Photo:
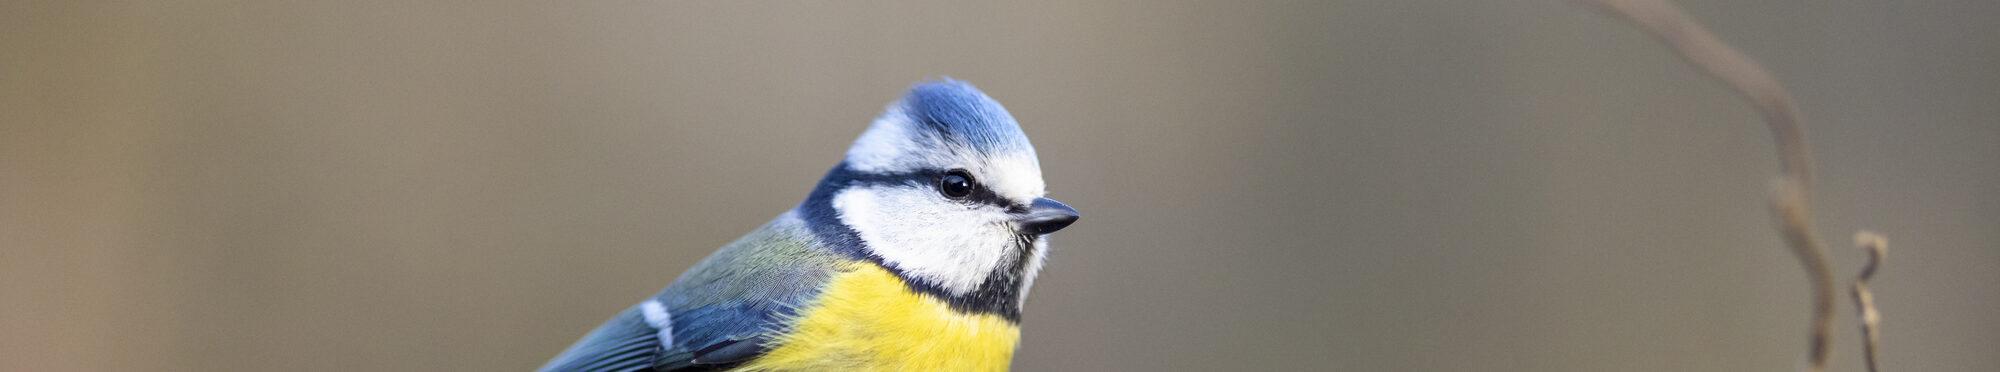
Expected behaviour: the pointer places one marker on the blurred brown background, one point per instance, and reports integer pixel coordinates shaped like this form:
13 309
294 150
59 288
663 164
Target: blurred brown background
1366 186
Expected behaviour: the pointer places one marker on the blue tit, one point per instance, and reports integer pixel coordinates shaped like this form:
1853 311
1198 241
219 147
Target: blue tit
912 254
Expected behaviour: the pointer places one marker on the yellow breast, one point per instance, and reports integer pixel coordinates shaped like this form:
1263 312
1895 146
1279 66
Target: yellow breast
868 320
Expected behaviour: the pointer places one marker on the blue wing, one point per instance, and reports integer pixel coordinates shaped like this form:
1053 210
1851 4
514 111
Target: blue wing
718 337
723 311
626 343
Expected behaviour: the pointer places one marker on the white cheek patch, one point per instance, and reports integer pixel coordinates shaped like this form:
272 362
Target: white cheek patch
951 245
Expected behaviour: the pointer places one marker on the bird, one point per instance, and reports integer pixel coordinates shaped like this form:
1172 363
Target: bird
914 253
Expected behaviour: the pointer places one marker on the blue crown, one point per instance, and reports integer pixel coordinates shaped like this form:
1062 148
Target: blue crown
957 112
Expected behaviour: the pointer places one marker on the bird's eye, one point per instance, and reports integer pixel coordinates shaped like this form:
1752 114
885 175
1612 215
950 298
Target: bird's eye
956 184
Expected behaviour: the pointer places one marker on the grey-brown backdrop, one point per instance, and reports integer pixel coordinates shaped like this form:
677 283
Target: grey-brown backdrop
1367 186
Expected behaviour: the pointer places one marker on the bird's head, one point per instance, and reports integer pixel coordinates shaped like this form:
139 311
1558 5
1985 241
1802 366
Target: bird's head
945 189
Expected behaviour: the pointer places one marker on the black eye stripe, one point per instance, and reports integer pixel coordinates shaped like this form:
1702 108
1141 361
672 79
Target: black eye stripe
986 196
927 178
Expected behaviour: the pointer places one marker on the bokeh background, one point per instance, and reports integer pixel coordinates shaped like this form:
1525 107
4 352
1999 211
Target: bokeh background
1335 185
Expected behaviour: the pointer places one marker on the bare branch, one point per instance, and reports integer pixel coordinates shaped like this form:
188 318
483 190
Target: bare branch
1788 202
1864 300
1694 44
1792 197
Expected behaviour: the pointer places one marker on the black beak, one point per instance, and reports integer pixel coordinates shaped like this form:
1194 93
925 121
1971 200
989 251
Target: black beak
1044 216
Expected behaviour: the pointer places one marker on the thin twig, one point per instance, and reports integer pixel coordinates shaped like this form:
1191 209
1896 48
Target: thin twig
1864 300
1792 200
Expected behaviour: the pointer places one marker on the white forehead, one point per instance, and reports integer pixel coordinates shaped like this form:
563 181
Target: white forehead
893 145
1013 177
